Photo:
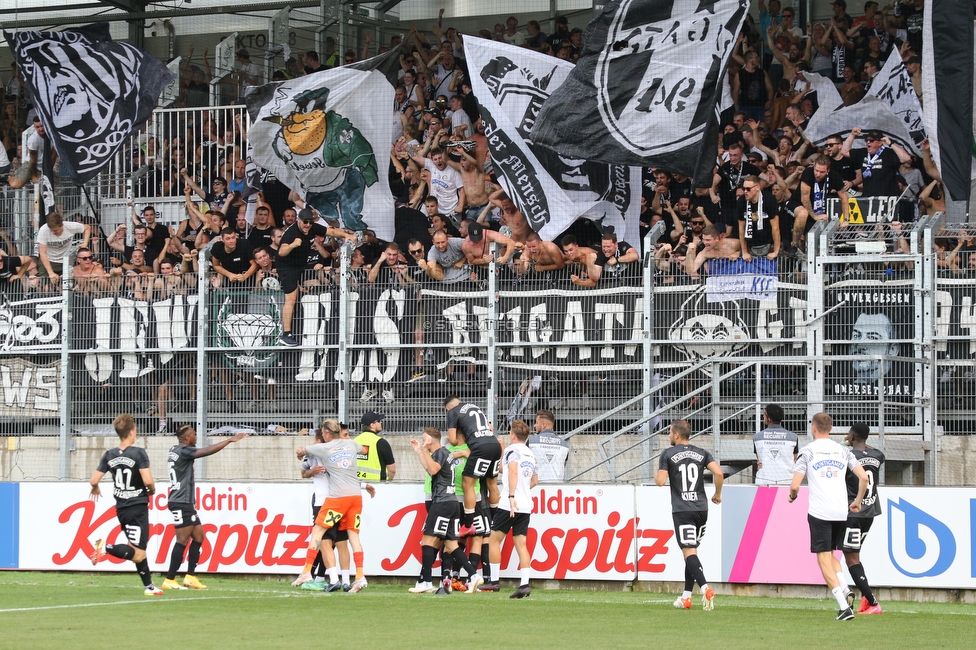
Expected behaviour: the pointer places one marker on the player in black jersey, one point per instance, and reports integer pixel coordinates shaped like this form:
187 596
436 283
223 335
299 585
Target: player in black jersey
684 465
443 519
133 485
485 454
859 523
181 504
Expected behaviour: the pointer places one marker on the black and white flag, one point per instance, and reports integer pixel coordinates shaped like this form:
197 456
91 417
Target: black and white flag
91 92
869 113
893 85
947 88
647 86
551 191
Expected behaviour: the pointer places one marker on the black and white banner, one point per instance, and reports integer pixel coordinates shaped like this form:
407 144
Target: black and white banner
947 86
323 136
552 191
91 93
869 113
647 86
867 318
893 85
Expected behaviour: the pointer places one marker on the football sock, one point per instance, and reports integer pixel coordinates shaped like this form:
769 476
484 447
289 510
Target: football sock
333 575
689 580
428 554
693 564
487 567
345 576
686 593
468 517
175 560
840 596
123 551
318 567
447 561
496 571
861 580
842 581
310 555
524 577
475 560
142 568
193 557
461 561
357 557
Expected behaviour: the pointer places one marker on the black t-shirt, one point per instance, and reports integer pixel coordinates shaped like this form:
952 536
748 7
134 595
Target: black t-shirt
472 423
385 453
9 266
124 465
236 261
297 259
913 25
732 179
821 191
871 460
843 168
879 172
442 488
686 465
149 253
180 461
260 237
617 270
757 231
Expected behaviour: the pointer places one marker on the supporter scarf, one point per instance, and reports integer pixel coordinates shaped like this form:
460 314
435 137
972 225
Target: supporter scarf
839 55
869 162
759 218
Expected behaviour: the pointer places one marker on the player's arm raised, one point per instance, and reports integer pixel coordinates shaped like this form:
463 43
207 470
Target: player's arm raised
716 471
217 446
426 460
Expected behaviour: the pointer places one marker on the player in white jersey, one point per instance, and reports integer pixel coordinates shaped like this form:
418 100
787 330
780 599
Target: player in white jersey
519 476
776 449
825 465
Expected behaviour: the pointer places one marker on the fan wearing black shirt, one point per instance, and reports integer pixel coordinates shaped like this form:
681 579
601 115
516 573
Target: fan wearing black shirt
729 179
233 260
818 184
263 228
758 221
877 165
132 486
614 260
293 252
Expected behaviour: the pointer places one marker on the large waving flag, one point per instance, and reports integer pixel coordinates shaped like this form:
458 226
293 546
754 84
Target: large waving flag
91 92
893 85
647 86
327 136
511 84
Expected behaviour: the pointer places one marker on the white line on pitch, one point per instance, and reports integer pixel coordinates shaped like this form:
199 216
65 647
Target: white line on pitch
136 602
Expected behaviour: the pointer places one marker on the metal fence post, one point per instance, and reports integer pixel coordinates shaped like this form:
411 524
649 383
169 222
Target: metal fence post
716 412
344 315
647 347
492 364
203 333
66 444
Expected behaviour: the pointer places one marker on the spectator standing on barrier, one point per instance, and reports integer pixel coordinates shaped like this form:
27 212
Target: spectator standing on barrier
683 466
877 165
54 244
859 523
293 252
375 461
776 449
551 451
826 465
758 221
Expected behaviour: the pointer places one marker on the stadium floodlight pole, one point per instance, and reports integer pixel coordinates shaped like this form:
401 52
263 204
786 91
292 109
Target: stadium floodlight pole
203 264
64 428
492 365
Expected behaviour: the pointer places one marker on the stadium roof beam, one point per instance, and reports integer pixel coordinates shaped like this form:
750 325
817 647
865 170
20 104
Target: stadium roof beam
386 5
132 6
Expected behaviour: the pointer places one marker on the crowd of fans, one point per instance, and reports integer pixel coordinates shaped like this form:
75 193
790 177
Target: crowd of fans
769 185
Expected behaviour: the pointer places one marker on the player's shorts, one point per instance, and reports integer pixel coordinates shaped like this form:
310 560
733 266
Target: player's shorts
484 460
290 278
135 525
504 522
825 536
689 527
343 513
184 515
443 520
332 534
482 518
855 530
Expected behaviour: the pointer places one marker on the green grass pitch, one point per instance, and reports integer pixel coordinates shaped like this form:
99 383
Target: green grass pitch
60 610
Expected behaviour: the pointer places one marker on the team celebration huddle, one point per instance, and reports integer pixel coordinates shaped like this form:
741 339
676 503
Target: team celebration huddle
478 489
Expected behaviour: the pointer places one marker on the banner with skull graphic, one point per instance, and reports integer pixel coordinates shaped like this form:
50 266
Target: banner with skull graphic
551 191
323 136
91 93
